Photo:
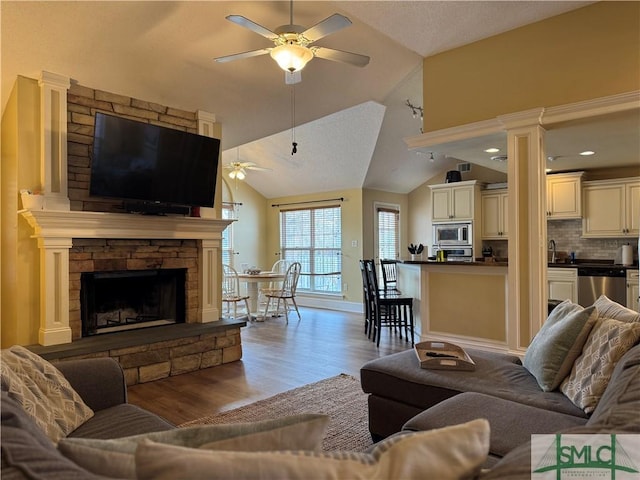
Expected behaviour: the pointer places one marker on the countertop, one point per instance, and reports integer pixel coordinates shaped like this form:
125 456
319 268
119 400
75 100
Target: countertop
480 263
504 263
592 264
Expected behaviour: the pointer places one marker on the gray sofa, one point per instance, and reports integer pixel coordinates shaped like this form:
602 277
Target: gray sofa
402 396
27 453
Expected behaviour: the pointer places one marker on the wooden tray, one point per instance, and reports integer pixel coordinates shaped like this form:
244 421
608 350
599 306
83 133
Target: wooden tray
443 356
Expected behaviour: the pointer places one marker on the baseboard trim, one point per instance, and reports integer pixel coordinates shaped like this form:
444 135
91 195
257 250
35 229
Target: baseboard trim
329 303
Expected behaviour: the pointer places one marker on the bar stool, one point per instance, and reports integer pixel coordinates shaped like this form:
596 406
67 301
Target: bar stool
388 308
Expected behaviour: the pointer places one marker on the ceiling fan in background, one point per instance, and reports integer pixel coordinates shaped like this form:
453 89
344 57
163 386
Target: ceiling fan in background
294 44
238 170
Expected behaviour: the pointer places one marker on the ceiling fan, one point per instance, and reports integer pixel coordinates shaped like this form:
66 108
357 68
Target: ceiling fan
238 170
293 44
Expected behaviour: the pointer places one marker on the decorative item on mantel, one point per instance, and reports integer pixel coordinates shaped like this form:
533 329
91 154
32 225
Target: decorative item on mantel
31 200
416 251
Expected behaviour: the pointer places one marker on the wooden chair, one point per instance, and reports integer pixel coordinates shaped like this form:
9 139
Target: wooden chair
279 266
388 309
389 275
286 292
231 291
366 299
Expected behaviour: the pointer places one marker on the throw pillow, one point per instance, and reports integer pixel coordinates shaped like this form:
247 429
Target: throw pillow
449 453
589 377
42 391
559 342
607 308
116 458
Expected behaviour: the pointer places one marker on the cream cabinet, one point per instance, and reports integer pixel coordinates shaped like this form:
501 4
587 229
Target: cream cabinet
454 201
612 208
564 196
562 284
633 291
494 220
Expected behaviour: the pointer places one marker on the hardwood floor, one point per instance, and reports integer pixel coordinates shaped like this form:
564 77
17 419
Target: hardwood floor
276 357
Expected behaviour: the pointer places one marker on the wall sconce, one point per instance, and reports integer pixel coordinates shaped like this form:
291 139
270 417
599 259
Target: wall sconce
415 110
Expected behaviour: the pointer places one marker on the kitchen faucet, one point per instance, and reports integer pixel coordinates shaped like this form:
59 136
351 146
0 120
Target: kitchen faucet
552 246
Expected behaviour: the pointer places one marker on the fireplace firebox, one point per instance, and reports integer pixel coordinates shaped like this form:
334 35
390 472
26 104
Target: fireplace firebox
131 299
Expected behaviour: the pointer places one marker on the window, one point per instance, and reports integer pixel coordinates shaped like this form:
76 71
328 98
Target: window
228 212
388 219
313 237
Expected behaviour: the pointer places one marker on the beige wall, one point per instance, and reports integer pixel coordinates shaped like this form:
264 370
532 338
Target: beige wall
587 53
352 228
249 231
20 255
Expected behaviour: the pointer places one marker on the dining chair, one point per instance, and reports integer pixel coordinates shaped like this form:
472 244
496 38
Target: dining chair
388 309
279 266
286 292
231 291
366 298
389 275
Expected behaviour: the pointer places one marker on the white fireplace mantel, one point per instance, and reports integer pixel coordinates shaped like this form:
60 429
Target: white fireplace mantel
56 229
82 224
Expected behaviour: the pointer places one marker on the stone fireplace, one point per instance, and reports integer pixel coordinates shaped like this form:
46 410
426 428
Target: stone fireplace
124 267
122 300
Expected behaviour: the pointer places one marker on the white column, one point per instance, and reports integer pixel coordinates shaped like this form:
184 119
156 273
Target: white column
210 285
527 227
54 291
53 132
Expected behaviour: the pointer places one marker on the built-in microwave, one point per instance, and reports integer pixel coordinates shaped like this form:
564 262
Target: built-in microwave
458 234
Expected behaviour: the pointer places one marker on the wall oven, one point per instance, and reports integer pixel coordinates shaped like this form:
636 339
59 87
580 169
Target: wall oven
455 254
455 234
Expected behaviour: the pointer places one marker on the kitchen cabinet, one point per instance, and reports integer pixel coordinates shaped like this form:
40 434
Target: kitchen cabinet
564 196
455 201
612 208
494 220
562 284
633 291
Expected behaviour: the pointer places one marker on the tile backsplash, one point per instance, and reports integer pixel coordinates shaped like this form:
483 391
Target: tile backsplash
567 235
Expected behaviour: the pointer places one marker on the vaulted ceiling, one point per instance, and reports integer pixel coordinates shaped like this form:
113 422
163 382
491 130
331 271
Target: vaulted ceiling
349 122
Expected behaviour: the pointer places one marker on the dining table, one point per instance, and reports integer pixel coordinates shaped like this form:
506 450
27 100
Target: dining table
253 280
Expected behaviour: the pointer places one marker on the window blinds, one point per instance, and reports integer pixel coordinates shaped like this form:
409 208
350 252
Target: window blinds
313 237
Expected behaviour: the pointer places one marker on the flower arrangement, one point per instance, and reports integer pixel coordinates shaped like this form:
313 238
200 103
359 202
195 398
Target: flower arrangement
415 249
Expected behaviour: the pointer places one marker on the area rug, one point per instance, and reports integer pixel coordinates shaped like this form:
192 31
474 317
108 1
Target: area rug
339 397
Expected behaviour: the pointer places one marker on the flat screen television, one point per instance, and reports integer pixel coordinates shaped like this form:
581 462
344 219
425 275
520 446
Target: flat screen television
139 161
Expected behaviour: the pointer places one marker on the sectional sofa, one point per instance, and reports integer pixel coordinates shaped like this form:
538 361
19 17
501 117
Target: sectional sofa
519 397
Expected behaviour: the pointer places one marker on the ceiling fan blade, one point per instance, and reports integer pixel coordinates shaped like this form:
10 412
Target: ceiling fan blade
326 27
255 167
238 56
340 56
253 26
291 78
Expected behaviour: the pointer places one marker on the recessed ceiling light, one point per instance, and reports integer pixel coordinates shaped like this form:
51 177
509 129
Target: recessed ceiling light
586 153
492 150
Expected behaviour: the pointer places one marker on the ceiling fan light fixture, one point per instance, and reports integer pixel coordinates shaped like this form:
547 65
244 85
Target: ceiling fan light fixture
237 175
291 57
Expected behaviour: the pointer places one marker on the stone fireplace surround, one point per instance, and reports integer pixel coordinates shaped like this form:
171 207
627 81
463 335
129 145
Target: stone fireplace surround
73 236
202 342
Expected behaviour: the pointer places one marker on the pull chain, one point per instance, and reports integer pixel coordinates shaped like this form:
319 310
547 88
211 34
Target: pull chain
294 145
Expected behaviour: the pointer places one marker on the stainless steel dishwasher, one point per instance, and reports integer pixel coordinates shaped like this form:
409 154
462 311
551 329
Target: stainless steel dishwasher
596 281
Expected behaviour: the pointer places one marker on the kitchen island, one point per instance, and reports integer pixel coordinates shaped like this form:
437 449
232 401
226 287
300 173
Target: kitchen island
459 302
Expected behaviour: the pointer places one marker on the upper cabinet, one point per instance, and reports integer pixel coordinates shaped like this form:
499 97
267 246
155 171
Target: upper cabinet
564 197
612 208
494 214
455 201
